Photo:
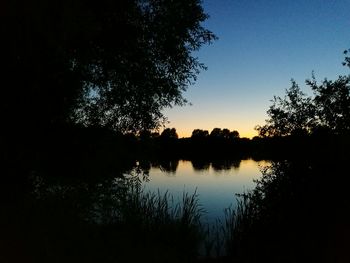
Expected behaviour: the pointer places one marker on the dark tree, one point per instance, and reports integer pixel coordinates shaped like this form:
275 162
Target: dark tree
106 63
292 114
328 110
198 133
169 133
347 58
332 101
225 133
216 133
234 134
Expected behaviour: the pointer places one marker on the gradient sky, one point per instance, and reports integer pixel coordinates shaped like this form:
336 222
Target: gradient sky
262 45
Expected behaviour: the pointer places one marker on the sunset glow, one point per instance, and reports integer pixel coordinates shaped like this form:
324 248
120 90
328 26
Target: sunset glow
262 45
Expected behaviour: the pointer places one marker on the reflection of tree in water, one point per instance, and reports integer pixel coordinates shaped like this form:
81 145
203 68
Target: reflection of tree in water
144 166
200 165
168 166
91 201
217 165
224 165
236 164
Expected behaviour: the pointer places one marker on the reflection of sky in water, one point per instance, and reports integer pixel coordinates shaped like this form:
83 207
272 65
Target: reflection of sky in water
216 188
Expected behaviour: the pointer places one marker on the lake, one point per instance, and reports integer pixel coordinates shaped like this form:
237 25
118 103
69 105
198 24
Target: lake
216 183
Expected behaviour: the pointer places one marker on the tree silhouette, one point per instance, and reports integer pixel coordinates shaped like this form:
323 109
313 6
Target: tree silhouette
106 63
292 114
169 133
329 109
347 58
216 133
198 133
332 101
327 112
234 134
225 133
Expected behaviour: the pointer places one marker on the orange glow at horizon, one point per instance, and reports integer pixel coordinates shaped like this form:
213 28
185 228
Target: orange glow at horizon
187 133
185 123
207 116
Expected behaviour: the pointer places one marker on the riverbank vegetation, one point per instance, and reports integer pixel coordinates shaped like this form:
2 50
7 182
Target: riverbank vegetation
298 212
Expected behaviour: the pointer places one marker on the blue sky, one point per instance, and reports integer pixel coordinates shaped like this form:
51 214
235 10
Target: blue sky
262 45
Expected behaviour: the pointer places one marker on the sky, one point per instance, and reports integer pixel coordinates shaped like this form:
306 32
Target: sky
262 45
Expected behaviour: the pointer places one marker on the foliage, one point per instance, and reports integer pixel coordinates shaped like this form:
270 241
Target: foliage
347 58
224 133
332 102
106 63
296 212
169 133
328 109
294 112
198 133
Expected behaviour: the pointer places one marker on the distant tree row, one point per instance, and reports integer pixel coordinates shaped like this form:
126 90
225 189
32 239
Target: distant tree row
196 134
202 144
215 133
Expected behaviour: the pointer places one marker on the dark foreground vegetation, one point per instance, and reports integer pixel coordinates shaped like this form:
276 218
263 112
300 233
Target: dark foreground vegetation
108 221
297 213
299 210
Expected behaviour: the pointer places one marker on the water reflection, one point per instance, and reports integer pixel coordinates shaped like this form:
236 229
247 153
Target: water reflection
168 166
93 214
216 182
198 165
226 165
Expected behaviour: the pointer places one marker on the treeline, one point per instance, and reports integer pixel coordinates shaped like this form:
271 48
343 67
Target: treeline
91 151
201 144
298 125
74 150
226 144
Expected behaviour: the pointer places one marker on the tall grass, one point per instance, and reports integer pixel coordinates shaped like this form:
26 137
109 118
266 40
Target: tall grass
148 220
133 204
223 238
155 219
227 238
119 219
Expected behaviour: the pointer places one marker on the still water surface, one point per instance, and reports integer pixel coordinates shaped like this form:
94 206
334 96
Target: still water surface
216 183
